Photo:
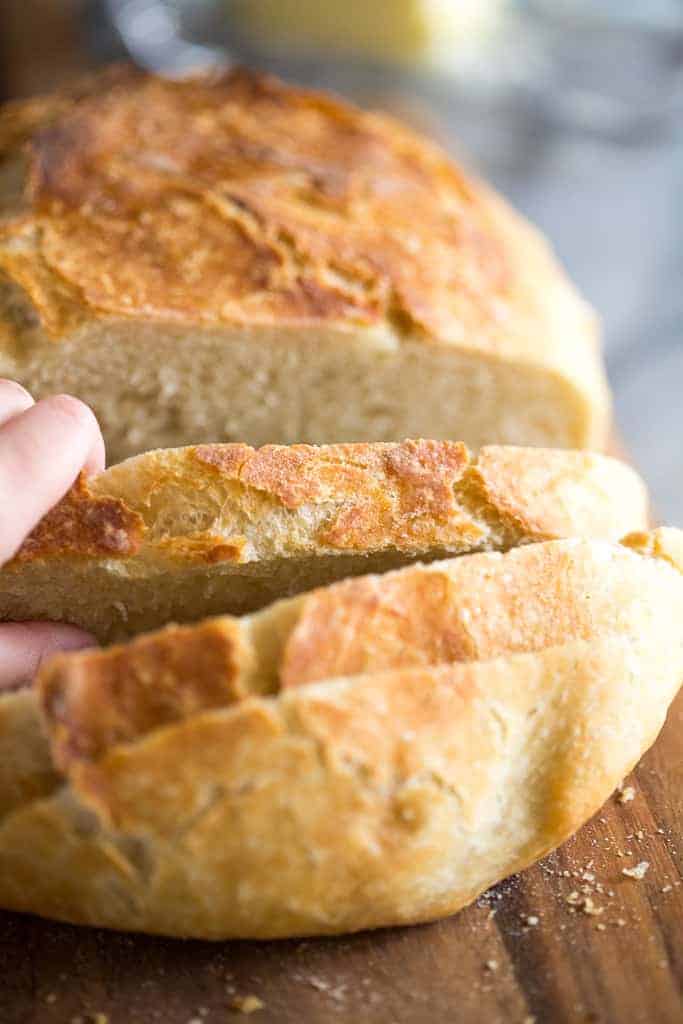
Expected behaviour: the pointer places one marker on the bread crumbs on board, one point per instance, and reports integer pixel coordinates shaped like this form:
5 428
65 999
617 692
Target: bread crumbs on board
584 903
247 1004
637 872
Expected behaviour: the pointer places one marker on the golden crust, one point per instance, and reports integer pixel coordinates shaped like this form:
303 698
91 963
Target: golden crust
176 535
131 691
413 496
20 119
257 203
548 492
665 543
468 609
356 802
403 494
84 526
238 199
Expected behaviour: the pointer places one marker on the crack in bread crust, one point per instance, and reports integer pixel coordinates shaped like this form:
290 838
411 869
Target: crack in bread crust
463 610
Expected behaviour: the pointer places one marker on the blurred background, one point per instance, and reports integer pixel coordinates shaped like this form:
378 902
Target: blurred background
574 109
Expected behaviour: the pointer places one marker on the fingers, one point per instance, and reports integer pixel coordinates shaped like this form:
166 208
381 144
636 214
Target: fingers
43 448
25 645
42 451
13 400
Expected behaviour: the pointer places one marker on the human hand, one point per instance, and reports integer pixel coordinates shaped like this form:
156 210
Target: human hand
43 448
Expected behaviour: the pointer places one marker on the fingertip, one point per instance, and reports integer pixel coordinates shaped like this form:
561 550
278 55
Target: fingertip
7 384
80 414
72 409
14 399
42 451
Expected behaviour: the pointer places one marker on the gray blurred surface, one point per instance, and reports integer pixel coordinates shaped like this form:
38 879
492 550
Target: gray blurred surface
614 214
615 218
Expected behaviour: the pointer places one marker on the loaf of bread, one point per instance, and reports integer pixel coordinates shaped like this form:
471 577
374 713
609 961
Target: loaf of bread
228 258
372 753
179 534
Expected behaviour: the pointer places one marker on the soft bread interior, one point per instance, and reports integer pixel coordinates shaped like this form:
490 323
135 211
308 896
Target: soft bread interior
178 535
161 387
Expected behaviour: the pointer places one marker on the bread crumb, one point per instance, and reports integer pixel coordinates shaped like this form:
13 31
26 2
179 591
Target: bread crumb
667 888
638 872
625 794
247 1004
531 920
583 902
620 922
318 983
600 926
491 965
51 997
529 1020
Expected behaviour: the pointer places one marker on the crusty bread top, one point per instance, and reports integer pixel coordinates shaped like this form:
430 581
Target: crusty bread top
236 199
232 503
461 610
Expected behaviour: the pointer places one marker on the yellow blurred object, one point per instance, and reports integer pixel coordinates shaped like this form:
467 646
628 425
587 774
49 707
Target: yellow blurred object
414 31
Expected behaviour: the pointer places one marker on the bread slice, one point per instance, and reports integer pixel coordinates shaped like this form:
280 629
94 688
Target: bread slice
373 753
232 259
177 535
